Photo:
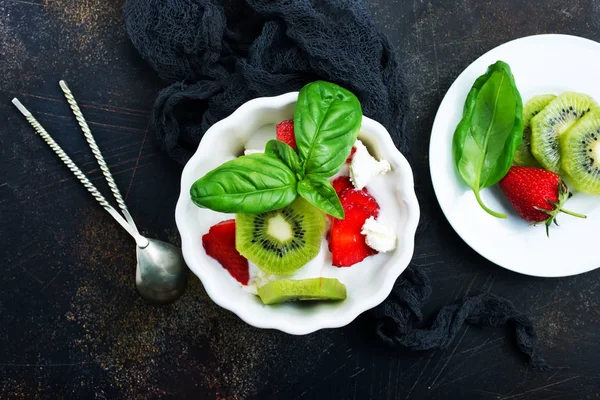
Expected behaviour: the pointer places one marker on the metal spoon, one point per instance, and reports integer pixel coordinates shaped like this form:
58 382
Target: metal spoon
160 271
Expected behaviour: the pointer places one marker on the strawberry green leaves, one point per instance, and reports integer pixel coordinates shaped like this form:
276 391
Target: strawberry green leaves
326 123
490 131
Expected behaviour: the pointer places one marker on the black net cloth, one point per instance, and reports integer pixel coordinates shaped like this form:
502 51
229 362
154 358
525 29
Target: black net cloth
216 55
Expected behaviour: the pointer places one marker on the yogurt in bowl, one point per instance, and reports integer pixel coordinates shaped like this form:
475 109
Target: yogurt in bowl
367 283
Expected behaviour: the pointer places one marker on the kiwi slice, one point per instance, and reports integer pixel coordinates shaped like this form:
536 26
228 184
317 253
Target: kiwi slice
546 127
523 156
580 149
281 241
305 289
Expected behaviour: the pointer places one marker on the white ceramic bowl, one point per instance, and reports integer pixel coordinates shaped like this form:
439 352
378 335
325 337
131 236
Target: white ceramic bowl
225 140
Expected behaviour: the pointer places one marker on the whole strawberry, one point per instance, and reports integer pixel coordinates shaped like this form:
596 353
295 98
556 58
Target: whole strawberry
536 194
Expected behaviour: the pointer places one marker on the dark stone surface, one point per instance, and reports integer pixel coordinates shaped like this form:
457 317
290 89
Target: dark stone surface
71 324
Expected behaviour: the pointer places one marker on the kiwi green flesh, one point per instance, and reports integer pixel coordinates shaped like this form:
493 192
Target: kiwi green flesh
556 118
523 156
306 289
580 149
281 241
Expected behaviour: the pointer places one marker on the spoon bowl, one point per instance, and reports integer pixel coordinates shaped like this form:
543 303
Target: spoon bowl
161 272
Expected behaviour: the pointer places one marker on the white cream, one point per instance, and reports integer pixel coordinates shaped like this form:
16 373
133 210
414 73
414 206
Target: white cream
260 138
364 167
252 151
258 278
378 235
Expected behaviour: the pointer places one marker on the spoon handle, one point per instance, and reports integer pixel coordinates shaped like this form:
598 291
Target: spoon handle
87 132
140 240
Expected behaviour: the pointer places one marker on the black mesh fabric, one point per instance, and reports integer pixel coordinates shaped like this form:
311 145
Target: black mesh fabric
218 54
215 55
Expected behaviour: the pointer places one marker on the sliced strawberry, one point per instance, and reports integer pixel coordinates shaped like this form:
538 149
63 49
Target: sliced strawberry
219 243
341 183
285 132
349 159
360 198
346 243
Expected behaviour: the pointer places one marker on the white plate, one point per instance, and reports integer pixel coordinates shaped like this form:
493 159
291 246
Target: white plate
541 64
367 287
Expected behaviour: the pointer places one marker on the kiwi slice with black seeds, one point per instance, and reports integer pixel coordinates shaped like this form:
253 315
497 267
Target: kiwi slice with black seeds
281 241
305 289
523 156
556 118
580 149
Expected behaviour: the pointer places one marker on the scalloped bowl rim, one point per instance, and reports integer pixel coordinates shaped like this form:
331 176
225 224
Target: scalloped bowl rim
278 320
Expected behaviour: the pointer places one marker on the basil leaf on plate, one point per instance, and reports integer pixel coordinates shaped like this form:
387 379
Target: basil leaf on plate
327 119
319 192
490 131
249 184
283 152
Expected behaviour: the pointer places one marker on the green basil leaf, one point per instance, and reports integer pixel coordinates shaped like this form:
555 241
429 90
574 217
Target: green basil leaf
327 119
491 130
285 153
319 192
249 184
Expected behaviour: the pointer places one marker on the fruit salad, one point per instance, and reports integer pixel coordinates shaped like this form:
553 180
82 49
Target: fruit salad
306 207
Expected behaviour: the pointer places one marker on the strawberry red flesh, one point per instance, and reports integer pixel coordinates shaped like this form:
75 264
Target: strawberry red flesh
530 188
360 198
346 243
341 183
219 243
285 132
349 159
536 194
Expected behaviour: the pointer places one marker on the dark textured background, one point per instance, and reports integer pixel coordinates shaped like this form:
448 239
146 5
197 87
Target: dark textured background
71 324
